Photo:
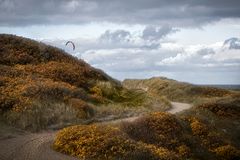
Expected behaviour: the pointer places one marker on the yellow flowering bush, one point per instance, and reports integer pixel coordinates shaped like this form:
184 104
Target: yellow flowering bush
225 108
184 151
213 141
106 142
93 142
227 152
96 91
158 128
198 128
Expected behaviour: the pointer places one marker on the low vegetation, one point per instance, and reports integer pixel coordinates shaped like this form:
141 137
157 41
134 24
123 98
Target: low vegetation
225 107
207 131
157 128
106 142
178 91
158 135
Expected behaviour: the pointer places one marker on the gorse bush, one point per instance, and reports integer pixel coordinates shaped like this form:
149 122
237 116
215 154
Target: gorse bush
213 141
106 142
157 128
161 130
94 142
227 152
226 107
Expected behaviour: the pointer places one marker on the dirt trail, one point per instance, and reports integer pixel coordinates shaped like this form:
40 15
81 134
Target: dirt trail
38 146
31 147
178 107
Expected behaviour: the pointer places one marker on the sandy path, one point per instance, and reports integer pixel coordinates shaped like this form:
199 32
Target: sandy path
38 146
178 107
31 147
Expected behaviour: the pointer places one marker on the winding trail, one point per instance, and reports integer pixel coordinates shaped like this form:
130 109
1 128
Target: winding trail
176 108
38 146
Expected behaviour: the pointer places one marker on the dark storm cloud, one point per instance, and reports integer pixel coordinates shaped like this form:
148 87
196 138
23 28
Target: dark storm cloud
232 43
153 33
171 12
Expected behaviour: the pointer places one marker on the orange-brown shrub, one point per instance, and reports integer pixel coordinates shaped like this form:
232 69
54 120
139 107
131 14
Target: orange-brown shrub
198 128
159 128
94 142
227 152
18 92
96 91
207 136
209 91
228 107
184 151
106 142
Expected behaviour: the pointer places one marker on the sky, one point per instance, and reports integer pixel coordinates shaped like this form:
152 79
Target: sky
196 41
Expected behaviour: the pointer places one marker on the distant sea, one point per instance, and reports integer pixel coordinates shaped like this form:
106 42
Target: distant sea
224 86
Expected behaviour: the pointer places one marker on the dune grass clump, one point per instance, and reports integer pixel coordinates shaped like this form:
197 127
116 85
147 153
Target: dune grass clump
83 109
43 115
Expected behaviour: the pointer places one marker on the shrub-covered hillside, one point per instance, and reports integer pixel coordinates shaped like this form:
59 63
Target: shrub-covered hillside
37 79
43 86
207 131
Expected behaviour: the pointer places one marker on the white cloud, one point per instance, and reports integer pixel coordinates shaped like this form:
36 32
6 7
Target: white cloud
224 55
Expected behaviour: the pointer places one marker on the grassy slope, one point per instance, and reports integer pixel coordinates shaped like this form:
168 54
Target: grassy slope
178 91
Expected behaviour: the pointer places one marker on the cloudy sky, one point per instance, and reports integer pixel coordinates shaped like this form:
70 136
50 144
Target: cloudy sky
196 41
